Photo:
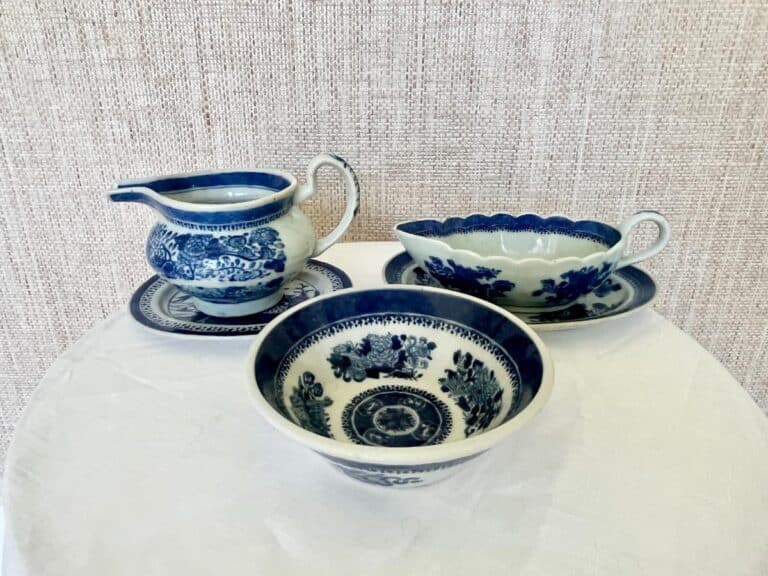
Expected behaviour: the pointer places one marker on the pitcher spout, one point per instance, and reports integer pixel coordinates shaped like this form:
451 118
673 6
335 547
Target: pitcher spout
144 195
133 194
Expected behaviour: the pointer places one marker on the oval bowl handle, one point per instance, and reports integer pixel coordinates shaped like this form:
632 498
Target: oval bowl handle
661 240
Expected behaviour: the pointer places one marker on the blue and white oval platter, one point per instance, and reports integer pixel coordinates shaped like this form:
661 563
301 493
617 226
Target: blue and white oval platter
626 290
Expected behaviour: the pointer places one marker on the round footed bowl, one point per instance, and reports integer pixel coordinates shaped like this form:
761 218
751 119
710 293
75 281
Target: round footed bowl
398 386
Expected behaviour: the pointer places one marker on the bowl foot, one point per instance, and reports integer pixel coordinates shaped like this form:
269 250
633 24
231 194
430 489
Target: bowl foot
399 476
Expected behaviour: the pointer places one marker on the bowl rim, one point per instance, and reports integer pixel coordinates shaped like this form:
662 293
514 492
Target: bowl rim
605 254
416 455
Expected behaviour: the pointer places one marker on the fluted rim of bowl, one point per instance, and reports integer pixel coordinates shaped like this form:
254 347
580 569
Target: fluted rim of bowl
414 455
454 223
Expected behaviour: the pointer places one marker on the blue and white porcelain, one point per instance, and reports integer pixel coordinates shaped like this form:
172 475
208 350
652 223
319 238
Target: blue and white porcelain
398 386
233 240
525 261
161 306
625 291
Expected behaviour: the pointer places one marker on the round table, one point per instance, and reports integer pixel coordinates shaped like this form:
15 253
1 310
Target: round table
140 453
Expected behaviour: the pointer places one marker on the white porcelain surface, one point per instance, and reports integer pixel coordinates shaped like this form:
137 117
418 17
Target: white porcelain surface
520 245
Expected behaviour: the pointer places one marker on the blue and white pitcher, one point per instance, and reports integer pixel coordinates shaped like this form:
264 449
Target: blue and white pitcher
231 240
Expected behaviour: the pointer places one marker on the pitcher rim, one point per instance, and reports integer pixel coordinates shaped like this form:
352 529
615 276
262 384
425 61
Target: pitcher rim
144 183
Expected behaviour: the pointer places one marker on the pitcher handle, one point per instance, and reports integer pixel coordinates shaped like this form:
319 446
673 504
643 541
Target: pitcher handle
626 228
307 189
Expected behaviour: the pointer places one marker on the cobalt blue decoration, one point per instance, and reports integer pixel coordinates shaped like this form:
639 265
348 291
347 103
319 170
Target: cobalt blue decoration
480 281
396 416
625 291
386 354
309 404
232 240
574 283
162 306
525 261
475 389
397 386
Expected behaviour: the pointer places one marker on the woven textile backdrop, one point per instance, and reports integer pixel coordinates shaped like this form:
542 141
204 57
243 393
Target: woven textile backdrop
592 109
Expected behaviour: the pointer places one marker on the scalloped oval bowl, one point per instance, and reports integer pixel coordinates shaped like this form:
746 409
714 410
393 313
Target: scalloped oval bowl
523 261
398 386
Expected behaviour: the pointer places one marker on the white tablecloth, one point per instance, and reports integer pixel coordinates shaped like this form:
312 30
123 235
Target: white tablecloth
140 454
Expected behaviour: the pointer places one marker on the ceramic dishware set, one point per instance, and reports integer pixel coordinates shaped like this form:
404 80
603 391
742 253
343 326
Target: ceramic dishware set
397 385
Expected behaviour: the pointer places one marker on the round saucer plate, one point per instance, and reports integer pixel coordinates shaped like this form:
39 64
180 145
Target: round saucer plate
629 290
160 306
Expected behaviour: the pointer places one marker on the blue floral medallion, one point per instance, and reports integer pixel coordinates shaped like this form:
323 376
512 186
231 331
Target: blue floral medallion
396 416
475 389
308 405
574 283
223 257
394 355
159 305
478 281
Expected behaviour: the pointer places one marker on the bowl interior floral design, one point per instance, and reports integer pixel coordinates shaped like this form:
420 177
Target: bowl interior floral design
404 376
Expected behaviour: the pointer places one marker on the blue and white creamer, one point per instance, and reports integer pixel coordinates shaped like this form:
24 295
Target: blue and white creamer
232 239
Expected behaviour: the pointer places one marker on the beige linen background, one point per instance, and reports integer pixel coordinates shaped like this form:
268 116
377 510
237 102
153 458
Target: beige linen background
592 109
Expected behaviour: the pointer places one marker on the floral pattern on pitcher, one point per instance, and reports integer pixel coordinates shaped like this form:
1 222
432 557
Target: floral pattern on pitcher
238 257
